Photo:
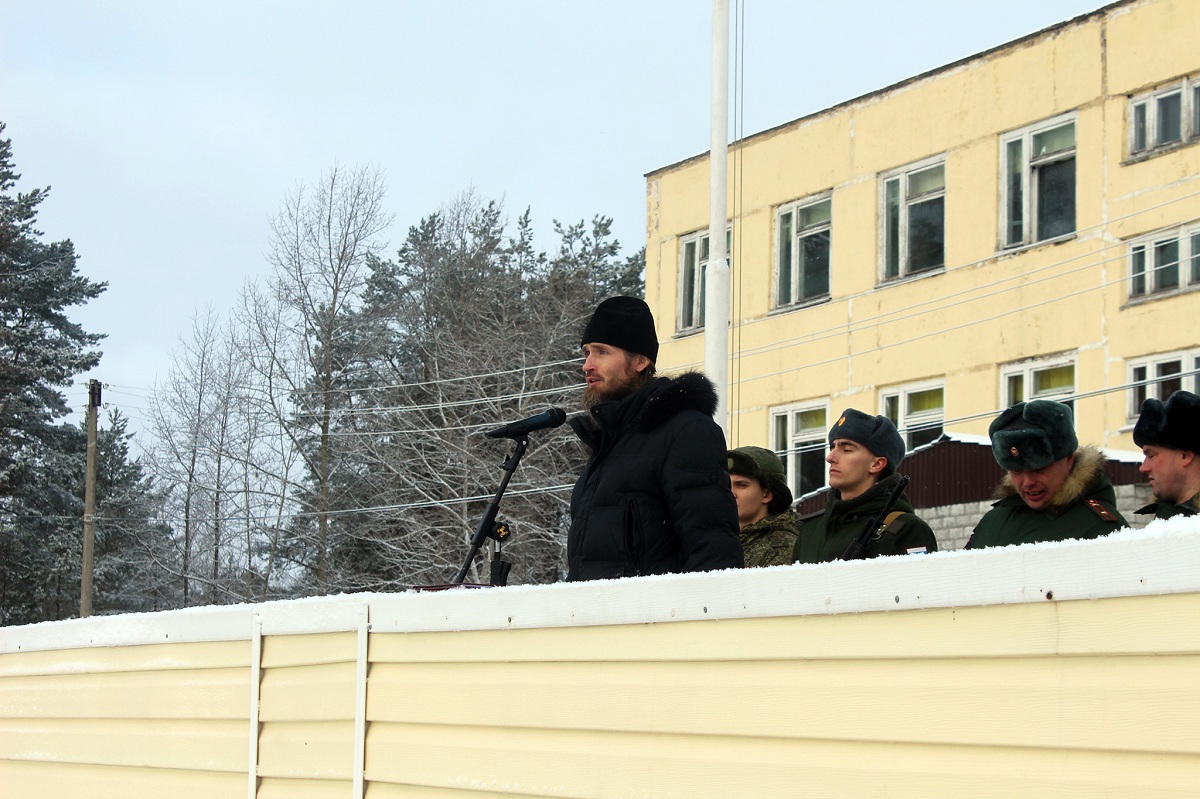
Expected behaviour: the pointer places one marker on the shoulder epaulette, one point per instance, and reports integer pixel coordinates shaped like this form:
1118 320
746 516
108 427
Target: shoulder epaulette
1101 511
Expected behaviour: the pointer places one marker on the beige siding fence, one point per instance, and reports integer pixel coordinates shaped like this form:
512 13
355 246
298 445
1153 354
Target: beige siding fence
1066 670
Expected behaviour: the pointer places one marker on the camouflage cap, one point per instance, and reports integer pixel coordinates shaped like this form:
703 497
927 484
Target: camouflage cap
765 467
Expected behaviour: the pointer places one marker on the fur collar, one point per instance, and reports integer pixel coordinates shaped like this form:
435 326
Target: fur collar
691 391
1089 462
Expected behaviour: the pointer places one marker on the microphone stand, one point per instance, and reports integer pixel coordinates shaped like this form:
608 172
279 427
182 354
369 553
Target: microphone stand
488 522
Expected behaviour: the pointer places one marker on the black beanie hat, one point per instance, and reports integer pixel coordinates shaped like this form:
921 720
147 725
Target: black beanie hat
1174 424
876 433
1032 435
624 322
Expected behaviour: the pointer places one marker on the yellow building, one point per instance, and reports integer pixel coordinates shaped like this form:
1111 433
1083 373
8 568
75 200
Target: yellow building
1024 223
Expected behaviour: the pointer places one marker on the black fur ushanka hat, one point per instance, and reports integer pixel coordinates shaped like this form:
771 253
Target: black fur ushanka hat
1174 424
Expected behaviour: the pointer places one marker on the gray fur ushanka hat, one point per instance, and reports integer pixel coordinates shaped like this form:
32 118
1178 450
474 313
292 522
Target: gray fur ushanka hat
1032 435
1174 424
876 433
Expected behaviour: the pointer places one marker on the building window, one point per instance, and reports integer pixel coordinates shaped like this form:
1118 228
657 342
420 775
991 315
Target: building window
799 434
802 265
917 412
1164 262
1160 376
1049 379
1038 187
914 219
1165 118
693 261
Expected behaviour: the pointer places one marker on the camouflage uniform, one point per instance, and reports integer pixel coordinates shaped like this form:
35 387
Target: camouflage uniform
769 541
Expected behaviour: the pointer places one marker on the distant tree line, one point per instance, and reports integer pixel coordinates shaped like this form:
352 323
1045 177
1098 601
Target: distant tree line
323 436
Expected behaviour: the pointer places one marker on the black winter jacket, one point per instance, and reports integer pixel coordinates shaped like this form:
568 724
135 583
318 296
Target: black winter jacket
654 496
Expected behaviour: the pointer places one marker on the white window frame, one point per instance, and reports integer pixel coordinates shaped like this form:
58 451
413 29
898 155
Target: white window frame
796 288
1144 135
1146 379
689 311
1028 370
1145 272
1030 165
900 177
790 443
911 424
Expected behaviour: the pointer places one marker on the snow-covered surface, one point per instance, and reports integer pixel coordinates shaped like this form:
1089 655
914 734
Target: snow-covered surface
962 438
1162 558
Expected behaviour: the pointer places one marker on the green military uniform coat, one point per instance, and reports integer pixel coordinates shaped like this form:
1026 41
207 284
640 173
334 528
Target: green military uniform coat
770 540
1085 506
829 535
1165 509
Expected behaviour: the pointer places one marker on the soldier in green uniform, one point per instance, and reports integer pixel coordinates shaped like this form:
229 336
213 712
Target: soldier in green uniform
1054 489
768 524
1169 435
864 452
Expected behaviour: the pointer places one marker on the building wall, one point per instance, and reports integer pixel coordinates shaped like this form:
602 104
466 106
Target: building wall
990 306
1059 669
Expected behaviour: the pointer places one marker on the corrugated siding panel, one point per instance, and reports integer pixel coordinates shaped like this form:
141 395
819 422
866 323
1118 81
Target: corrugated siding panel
321 750
308 693
1075 698
279 651
578 764
306 710
179 694
278 788
1108 704
150 657
44 780
131 721
176 744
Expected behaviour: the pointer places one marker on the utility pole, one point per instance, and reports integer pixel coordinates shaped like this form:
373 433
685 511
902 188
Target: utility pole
89 503
716 275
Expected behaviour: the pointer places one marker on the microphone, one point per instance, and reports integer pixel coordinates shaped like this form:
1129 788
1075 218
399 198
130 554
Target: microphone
542 421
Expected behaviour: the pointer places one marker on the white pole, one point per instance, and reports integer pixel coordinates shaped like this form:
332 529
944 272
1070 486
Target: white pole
716 302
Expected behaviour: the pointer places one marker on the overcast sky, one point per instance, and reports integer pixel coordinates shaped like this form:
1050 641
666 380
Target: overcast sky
171 131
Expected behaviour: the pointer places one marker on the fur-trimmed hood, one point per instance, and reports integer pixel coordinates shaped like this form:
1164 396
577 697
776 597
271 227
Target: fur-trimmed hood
1089 465
648 407
691 391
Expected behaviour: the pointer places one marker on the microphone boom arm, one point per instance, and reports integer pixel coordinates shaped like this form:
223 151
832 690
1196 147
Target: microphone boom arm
489 515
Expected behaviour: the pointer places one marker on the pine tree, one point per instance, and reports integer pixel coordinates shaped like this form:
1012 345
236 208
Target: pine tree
41 350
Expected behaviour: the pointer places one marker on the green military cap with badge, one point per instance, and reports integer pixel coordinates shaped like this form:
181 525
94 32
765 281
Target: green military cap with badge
1033 435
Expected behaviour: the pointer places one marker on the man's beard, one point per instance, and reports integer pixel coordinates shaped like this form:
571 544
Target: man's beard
615 391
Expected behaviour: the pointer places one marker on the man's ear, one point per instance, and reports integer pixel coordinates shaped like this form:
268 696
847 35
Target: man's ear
877 465
640 363
767 497
1186 457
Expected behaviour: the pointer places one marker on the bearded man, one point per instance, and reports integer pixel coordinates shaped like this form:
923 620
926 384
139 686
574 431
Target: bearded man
654 496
